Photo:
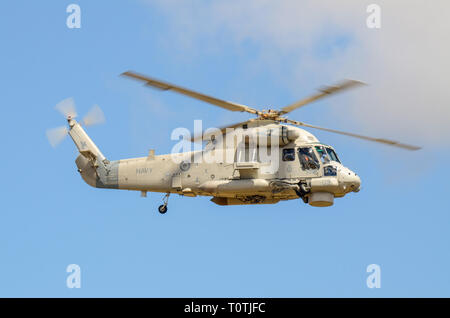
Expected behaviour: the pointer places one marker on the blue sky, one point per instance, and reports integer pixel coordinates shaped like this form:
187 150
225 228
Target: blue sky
50 218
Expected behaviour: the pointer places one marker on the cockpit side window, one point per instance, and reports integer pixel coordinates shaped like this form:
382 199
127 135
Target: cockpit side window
288 154
308 158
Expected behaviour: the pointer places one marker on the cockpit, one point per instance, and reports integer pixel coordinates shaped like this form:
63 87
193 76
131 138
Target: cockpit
311 157
317 160
308 158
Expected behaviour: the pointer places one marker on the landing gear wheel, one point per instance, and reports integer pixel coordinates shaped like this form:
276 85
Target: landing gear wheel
162 209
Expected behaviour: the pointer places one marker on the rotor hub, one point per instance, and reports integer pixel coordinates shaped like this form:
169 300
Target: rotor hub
269 114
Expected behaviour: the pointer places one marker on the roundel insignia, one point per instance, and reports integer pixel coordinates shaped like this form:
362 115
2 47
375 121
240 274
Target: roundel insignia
184 166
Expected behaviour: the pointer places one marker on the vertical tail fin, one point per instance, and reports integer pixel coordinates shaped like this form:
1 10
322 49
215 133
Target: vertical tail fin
94 168
84 143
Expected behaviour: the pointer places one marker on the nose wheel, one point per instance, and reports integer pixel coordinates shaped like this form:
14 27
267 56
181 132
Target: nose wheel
163 208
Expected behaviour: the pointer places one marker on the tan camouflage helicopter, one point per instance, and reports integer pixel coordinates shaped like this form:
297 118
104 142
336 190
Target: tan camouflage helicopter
259 161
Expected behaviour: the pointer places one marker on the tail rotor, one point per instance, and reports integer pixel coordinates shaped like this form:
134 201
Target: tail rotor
94 117
56 135
67 108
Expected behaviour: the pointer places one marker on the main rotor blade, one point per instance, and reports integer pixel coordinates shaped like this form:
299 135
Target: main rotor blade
94 116
223 130
56 135
212 100
379 140
326 91
67 108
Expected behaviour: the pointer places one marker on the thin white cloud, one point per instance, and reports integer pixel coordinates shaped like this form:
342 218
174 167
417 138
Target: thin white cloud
406 62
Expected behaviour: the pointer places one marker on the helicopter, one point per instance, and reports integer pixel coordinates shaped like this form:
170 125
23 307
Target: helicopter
263 160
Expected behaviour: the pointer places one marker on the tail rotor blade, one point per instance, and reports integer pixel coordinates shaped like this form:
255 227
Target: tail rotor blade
56 135
67 108
94 116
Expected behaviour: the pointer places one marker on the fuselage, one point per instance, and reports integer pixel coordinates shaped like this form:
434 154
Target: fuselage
290 165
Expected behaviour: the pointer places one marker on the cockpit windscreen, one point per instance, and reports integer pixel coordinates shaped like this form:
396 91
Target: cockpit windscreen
332 155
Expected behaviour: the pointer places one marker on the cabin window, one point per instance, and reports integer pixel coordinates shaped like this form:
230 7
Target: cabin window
264 154
308 159
245 153
288 154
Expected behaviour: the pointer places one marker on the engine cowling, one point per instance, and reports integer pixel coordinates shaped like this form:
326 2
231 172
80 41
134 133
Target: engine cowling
264 136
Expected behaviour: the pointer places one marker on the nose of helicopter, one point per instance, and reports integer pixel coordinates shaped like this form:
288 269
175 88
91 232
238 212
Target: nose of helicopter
350 180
